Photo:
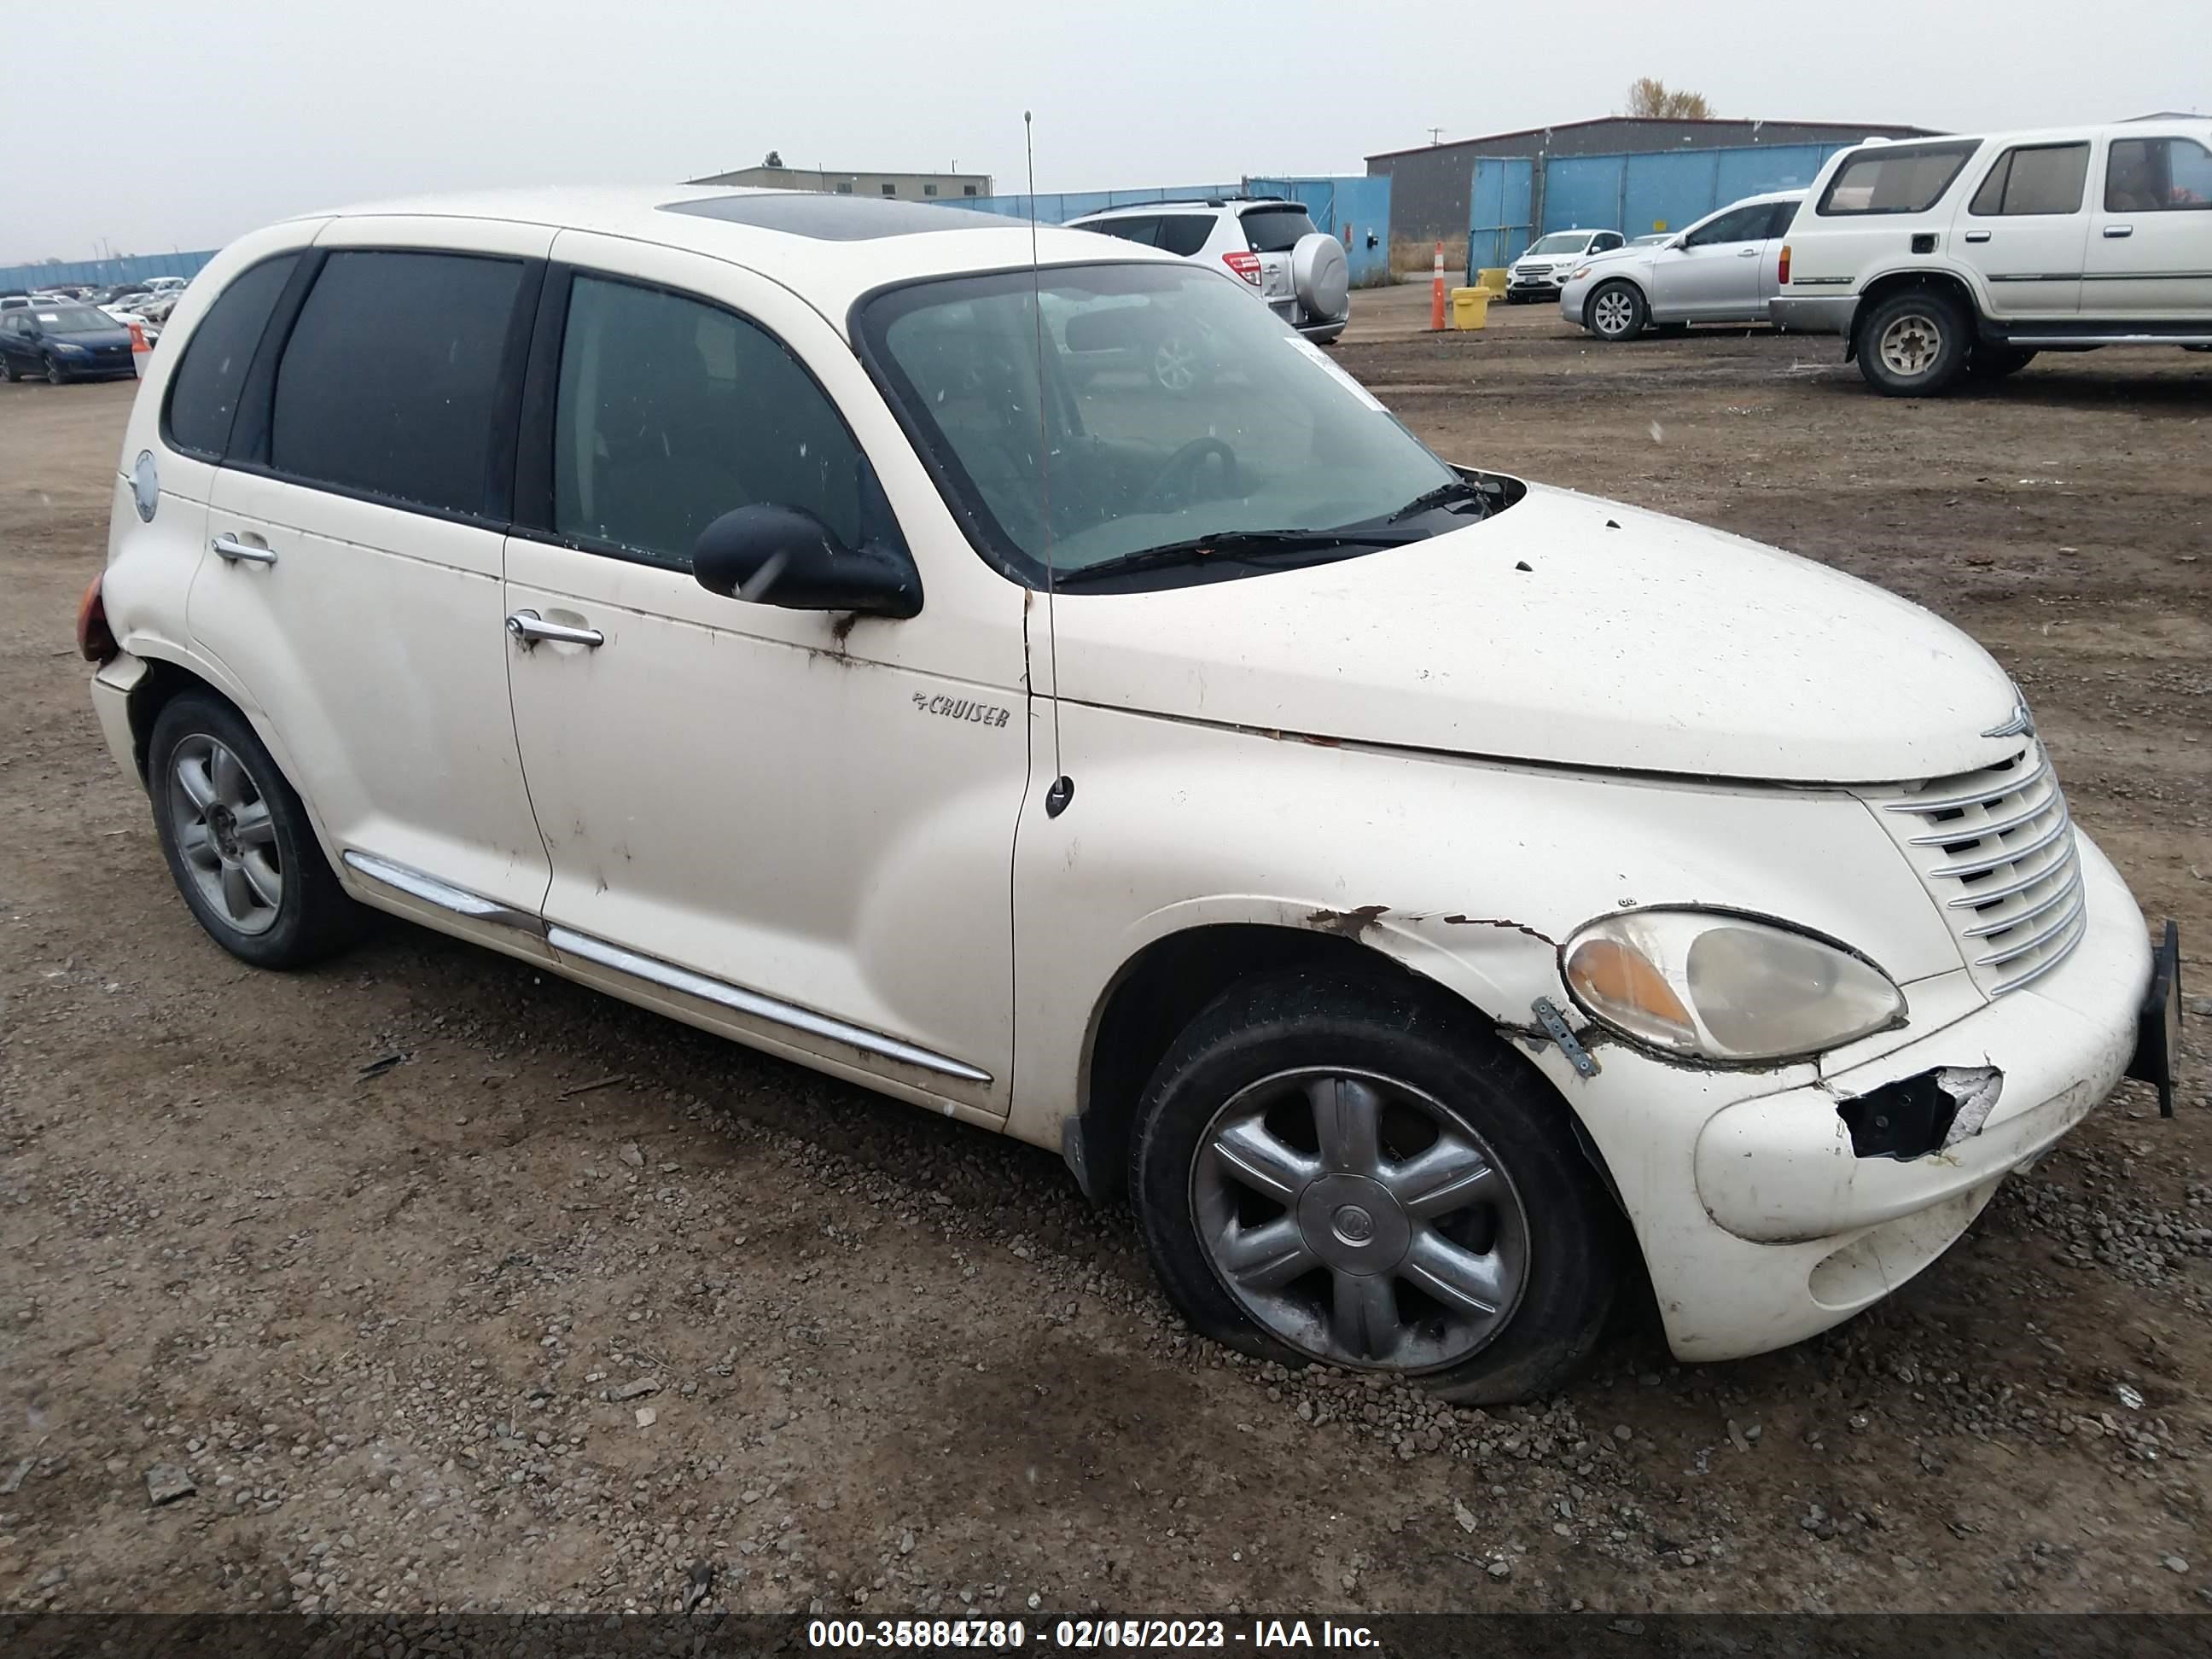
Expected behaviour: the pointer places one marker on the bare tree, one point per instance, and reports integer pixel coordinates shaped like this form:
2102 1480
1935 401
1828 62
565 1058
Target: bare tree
1649 96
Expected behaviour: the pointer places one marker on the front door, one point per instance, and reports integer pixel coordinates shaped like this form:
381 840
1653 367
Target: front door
1715 272
2150 244
2023 229
793 826
352 583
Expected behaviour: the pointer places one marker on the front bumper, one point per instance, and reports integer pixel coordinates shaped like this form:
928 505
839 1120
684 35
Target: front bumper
1813 313
1776 1229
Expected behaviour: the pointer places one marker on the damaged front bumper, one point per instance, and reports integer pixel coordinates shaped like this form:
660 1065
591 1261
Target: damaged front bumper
1820 1199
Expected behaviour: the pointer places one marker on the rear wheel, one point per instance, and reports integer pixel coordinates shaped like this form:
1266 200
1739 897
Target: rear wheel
1914 343
1616 311
238 841
8 370
1358 1173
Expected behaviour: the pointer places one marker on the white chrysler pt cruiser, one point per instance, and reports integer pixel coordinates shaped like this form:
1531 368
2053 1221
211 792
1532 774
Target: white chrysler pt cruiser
1428 896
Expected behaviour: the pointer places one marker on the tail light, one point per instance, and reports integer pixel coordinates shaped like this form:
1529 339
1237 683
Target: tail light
1782 266
1245 263
95 642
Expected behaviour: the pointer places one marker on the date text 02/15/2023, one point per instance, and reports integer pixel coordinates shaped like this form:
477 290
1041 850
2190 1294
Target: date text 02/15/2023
1009 1635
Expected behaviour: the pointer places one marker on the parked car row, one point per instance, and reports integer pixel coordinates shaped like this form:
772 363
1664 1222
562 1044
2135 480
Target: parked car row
1936 260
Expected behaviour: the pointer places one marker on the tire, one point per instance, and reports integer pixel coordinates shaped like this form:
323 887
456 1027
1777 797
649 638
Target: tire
1995 362
56 374
1179 365
1532 1242
234 833
8 370
1915 344
1616 312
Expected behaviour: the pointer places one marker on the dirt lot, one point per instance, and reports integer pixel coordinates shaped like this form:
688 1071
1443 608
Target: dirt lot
372 1306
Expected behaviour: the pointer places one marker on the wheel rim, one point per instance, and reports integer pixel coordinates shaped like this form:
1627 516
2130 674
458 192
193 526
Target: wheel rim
1360 1219
1611 313
53 373
1911 345
225 834
1175 364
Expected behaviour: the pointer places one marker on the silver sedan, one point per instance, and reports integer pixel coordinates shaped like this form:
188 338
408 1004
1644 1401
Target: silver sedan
1721 270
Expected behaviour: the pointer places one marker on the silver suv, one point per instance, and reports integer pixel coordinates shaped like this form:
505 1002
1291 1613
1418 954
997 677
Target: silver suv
1267 240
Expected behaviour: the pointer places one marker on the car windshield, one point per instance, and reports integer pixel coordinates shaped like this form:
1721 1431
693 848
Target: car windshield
1175 408
75 320
1563 241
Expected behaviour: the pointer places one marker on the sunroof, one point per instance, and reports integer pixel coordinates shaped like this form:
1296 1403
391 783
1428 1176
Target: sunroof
836 218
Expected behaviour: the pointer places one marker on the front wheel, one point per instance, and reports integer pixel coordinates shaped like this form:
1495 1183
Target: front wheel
56 374
1357 1172
1616 313
1914 343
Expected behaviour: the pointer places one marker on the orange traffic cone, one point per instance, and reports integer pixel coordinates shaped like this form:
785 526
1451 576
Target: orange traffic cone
139 350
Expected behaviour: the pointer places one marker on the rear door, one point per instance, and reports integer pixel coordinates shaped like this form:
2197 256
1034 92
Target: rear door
2149 257
356 530
1715 273
2023 228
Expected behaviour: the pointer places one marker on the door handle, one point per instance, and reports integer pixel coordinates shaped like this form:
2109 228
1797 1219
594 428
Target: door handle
2113 233
230 549
528 628
1747 254
1978 236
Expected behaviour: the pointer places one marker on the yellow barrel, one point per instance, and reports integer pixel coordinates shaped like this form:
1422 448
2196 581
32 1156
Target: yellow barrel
1470 307
1492 277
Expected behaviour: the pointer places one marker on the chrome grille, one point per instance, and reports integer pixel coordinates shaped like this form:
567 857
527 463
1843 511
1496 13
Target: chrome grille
1996 850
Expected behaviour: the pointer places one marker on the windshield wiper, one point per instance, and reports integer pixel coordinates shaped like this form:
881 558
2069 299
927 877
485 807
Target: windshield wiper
1457 490
1238 546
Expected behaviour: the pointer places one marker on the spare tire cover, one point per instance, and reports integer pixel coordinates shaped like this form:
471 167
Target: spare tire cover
1320 275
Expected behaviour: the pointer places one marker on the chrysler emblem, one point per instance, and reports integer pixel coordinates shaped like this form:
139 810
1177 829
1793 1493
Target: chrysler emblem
2021 725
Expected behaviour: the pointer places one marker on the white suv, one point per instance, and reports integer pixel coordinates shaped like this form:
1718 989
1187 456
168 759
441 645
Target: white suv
1268 242
1948 258
742 603
1542 269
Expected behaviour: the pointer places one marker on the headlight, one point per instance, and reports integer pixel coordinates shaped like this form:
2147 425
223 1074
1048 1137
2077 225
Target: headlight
64 347
1578 274
1723 987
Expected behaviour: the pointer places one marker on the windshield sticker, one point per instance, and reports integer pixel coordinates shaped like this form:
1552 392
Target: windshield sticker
49 316
1299 342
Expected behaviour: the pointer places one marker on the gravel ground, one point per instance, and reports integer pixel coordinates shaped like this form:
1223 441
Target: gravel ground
424 1281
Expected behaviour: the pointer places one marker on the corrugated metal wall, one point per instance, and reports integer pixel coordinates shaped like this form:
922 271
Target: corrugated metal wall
1667 189
1500 216
1352 208
101 272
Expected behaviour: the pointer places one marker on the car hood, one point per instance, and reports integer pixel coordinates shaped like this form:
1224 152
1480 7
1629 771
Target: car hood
1563 630
93 338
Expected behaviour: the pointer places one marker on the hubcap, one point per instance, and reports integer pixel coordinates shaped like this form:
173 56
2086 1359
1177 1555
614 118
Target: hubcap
1360 1219
1173 364
1611 313
225 833
1911 344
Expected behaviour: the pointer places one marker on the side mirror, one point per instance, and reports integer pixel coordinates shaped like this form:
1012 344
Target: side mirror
1678 243
783 556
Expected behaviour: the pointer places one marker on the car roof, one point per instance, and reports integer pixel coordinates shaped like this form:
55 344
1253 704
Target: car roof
2148 126
829 249
1237 205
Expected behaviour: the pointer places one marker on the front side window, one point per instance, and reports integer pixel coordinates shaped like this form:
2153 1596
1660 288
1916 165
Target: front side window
204 392
2034 179
1174 409
672 412
1779 217
1744 224
390 383
1894 178
2158 175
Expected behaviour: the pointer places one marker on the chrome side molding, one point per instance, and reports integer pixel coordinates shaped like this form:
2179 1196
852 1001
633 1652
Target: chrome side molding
444 894
738 1000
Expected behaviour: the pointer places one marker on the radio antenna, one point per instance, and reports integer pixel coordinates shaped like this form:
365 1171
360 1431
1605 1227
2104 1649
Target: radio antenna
1062 789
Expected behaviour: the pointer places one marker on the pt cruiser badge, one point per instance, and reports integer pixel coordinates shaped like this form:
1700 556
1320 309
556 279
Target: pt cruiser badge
960 708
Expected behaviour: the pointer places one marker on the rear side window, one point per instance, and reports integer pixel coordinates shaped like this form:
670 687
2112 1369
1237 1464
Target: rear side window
204 392
390 383
673 412
1145 231
2033 178
2158 175
1276 230
1186 233
1894 178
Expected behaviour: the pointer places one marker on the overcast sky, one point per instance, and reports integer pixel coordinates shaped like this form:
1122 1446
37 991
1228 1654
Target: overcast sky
183 123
